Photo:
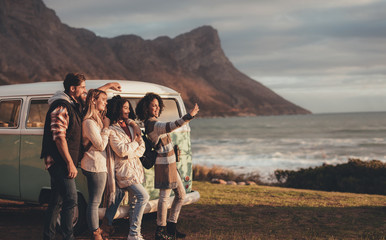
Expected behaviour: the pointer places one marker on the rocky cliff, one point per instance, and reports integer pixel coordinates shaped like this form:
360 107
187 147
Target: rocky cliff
36 46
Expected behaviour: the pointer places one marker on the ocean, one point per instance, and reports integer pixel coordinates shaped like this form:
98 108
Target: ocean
263 144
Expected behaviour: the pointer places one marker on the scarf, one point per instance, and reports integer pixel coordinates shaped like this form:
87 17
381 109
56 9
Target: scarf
110 185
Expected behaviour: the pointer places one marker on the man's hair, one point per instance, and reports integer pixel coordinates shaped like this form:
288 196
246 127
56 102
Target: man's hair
73 79
114 108
142 109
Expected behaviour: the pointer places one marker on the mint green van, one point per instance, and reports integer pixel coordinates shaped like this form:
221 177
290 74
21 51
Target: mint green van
22 112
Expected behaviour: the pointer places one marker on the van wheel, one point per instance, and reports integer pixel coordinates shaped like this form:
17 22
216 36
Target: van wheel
79 221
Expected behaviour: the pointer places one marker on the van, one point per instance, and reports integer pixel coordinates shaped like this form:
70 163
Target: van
23 177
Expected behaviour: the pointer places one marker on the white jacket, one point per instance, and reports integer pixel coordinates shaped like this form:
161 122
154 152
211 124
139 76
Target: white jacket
126 154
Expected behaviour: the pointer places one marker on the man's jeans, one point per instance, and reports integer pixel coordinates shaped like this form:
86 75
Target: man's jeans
96 182
63 197
138 199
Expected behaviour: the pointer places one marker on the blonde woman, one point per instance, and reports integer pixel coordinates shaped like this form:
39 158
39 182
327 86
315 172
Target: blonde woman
95 134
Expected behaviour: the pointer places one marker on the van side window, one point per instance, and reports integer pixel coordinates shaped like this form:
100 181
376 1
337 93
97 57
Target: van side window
9 113
37 113
171 111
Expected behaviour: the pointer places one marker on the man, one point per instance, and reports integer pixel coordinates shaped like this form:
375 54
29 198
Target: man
62 150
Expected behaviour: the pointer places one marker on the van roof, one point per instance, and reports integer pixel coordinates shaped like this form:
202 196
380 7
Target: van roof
46 88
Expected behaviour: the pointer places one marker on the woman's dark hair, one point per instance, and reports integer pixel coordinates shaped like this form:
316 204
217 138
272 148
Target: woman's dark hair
142 109
114 108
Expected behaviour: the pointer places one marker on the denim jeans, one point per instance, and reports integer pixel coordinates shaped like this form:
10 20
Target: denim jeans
163 203
112 209
138 198
63 197
96 182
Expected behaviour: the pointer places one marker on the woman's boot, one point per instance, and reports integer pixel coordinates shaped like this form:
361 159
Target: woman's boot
162 234
172 230
107 230
96 235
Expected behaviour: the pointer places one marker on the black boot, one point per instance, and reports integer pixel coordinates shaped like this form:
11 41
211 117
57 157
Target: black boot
162 234
172 230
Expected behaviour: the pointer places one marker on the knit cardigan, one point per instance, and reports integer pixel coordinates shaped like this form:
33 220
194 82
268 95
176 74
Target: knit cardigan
165 167
94 160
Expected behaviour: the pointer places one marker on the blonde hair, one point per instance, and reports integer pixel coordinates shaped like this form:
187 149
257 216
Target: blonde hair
91 110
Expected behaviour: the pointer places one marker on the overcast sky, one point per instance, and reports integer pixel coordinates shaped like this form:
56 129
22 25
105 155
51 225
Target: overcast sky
326 56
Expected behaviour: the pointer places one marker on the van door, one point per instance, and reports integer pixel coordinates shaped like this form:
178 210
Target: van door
10 111
33 176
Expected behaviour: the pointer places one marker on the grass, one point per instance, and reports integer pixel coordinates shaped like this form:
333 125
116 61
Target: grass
264 212
241 212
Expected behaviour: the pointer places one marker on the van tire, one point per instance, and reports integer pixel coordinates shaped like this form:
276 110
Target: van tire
79 222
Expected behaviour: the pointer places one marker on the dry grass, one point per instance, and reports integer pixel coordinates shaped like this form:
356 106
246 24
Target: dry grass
202 173
262 212
241 212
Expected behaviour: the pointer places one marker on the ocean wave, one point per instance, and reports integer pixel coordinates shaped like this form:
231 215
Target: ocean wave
267 144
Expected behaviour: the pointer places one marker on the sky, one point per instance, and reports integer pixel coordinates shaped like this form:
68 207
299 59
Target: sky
325 56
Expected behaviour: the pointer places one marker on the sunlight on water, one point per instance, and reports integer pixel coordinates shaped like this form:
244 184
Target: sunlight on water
264 144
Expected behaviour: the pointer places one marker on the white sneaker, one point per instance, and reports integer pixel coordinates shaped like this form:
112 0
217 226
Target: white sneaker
136 237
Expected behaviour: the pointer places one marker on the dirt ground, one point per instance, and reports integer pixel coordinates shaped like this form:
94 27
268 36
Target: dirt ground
19 220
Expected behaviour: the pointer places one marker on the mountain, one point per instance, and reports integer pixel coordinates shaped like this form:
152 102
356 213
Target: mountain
36 47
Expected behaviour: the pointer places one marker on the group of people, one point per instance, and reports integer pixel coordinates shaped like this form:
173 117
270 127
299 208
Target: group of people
102 134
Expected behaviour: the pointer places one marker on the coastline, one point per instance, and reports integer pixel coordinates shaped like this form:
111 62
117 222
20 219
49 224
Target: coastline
249 145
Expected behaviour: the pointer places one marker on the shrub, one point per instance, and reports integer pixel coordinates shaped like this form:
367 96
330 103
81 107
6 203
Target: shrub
354 176
202 173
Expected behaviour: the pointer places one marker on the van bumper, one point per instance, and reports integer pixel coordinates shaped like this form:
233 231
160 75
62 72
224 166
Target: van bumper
151 206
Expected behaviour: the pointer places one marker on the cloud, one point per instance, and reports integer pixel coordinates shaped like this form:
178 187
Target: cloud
295 47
